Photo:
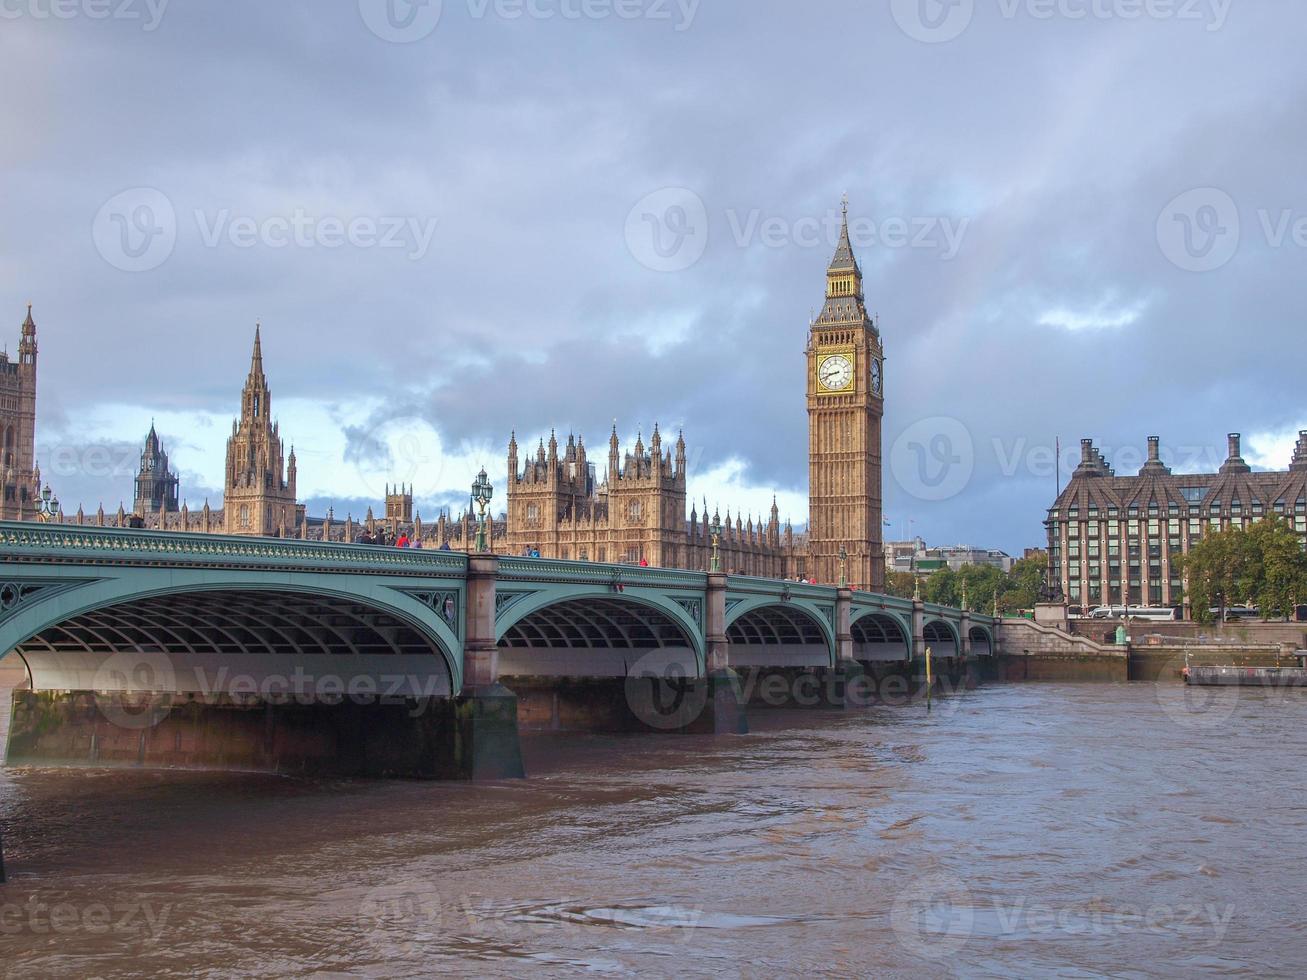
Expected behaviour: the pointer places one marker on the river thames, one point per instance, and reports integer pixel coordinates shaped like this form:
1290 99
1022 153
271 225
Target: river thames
1077 830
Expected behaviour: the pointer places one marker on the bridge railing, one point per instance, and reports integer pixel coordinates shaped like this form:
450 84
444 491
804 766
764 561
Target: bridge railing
127 546
799 590
585 572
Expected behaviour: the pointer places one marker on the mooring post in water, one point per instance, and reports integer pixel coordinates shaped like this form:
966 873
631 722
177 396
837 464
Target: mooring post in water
3 878
929 683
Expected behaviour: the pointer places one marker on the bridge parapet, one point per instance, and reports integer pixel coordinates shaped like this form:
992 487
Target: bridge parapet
591 573
64 544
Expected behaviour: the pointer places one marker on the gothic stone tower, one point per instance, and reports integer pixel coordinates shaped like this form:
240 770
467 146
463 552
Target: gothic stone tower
257 500
556 504
845 407
19 478
156 484
647 502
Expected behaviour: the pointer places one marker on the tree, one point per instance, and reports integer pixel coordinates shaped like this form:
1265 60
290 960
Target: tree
1273 572
1213 567
982 582
943 588
1024 583
901 584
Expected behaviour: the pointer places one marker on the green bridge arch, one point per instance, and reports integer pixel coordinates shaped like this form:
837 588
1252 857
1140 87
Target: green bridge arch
49 599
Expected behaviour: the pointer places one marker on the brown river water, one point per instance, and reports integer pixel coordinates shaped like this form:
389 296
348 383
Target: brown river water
1026 830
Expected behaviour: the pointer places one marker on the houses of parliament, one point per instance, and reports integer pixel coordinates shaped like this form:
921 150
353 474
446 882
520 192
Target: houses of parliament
623 507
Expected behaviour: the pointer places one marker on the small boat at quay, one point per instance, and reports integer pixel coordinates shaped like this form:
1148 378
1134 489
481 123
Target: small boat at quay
1275 677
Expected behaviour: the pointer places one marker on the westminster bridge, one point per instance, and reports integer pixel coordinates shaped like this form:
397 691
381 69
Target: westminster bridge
149 647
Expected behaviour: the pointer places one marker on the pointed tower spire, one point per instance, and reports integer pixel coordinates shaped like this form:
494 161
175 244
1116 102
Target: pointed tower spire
844 260
27 341
256 358
843 279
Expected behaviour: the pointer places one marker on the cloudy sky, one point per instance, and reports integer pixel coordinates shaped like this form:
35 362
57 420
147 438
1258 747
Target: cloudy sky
1076 218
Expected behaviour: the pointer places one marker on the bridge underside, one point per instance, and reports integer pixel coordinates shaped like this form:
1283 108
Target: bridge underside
940 639
879 638
778 636
596 637
236 642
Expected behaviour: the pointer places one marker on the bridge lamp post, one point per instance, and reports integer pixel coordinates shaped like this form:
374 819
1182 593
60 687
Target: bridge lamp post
844 567
715 529
47 508
482 492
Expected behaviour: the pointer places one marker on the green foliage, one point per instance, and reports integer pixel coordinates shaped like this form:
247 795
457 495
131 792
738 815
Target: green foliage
1024 583
1262 564
1016 590
943 588
900 584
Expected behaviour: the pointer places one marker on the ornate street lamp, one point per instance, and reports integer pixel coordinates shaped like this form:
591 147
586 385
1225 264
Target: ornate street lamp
47 508
715 529
482 492
844 562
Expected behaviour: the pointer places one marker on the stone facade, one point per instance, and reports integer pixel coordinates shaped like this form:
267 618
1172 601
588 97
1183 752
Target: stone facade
557 506
20 478
156 484
1113 538
259 490
846 403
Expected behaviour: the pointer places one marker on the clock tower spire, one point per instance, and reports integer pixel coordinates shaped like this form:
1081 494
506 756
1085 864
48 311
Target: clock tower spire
845 409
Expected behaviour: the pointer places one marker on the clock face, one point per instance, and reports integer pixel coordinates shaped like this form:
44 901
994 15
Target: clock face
875 376
834 373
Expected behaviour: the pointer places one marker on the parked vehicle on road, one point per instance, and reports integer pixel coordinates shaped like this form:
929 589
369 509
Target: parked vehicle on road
1135 612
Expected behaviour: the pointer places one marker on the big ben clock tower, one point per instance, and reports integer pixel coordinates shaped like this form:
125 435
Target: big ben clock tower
845 406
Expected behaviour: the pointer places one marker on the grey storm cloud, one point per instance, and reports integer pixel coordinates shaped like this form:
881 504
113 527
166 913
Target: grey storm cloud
502 156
